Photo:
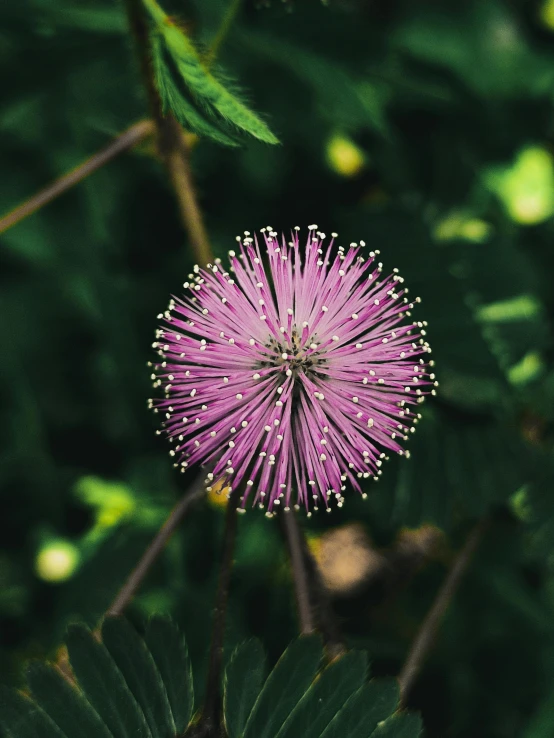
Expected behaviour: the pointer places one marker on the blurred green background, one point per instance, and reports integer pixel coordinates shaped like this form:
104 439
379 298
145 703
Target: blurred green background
426 129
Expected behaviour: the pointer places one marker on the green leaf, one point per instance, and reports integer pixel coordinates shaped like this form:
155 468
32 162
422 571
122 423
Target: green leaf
64 704
541 724
135 662
100 20
284 687
202 84
242 684
466 43
345 101
169 650
326 696
467 452
509 311
535 506
468 372
174 98
104 685
371 704
458 462
128 687
21 718
401 725
526 187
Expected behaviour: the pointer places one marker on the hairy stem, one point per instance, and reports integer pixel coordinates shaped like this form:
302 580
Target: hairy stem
211 712
294 539
178 166
321 603
429 628
136 133
171 145
312 599
136 577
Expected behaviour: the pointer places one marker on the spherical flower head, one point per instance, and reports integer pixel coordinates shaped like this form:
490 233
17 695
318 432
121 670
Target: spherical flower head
292 374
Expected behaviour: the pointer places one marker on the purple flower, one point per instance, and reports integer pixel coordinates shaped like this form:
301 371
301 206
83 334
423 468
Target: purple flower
292 375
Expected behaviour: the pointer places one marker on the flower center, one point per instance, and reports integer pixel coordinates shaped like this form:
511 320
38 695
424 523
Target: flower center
296 355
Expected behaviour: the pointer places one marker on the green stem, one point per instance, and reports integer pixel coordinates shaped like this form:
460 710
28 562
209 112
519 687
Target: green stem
223 31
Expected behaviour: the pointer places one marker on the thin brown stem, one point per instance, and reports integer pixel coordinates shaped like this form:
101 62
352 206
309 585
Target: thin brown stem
210 719
178 166
138 574
131 137
171 145
136 577
431 623
294 538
